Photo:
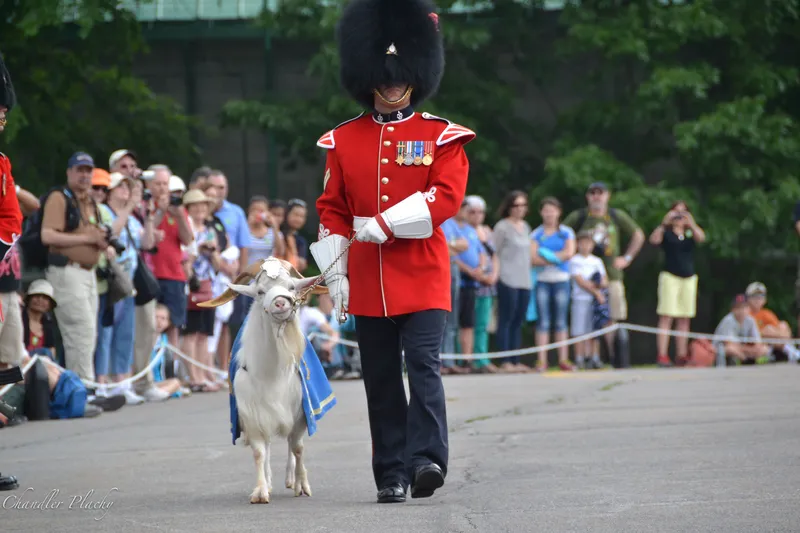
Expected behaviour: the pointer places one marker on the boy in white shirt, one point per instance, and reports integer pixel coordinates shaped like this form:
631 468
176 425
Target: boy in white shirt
582 267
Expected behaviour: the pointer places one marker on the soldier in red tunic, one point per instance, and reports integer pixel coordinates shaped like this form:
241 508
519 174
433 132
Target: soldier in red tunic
392 176
10 229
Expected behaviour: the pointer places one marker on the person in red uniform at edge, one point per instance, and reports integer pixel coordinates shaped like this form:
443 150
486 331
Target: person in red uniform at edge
393 175
10 229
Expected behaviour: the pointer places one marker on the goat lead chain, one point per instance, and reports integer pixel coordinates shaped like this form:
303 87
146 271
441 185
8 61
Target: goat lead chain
321 277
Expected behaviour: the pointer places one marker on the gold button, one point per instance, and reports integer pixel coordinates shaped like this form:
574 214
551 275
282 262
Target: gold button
384 160
385 181
387 143
390 128
384 198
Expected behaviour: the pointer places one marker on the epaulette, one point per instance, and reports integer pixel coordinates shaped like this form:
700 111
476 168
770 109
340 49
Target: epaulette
327 142
451 132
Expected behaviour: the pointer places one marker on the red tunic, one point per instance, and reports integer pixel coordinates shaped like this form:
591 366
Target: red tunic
363 179
10 214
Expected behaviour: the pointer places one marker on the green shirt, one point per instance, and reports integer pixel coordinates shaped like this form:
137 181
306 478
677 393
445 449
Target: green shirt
606 235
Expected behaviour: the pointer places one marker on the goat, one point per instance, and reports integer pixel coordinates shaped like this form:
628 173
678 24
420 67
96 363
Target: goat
269 350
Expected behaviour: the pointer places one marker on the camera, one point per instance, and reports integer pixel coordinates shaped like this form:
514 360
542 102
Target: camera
175 201
147 196
113 241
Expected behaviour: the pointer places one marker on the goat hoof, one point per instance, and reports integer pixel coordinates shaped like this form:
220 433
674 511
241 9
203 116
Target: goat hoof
302 489
260 495
289 484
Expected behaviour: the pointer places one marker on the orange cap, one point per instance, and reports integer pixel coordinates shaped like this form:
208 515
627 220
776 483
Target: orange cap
100 177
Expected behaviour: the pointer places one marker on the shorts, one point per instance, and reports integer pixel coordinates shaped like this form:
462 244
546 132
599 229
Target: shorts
466 307
617 302
173 295
677 297
581 317
200 322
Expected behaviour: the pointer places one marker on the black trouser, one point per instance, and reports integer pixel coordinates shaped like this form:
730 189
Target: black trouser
405 434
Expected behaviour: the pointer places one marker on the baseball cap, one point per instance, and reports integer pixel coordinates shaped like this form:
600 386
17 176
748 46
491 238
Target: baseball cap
176 184
739 300
116 180
80 159
119 154
597 186
100 178
756 288
475 202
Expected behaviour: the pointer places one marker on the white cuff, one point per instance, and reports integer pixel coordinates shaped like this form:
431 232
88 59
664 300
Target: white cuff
411 218
325 251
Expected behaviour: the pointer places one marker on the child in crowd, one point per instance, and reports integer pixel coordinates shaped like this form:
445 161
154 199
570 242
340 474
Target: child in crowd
588 297
171 386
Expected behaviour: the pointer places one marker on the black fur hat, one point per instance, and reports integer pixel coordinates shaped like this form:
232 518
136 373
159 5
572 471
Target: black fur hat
7 96
366 33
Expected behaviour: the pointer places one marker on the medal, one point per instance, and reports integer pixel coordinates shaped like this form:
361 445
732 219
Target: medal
400 147
408 156
428 158
417 153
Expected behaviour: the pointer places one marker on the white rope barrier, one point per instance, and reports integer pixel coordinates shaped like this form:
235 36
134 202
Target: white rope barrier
452 356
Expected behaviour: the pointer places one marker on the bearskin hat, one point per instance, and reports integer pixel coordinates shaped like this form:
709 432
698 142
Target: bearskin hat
390 42
7 96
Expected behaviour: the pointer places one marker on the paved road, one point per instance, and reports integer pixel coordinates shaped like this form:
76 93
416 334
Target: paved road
633 451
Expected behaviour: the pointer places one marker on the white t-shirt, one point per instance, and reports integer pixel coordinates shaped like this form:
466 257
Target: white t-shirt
584 267
311 319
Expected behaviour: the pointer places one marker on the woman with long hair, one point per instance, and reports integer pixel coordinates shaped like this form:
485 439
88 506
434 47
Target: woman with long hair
296 245
553 244
677 235
513 250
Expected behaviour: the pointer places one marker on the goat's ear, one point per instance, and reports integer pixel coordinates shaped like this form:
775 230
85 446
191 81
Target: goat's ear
301 283
247 290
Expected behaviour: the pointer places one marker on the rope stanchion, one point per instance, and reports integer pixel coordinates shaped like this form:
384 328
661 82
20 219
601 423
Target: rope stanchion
707 336
185 357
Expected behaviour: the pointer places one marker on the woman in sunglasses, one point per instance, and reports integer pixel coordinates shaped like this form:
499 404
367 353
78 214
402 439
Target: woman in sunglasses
296 244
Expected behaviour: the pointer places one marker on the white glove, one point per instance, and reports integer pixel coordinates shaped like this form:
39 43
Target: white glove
339 289
372 232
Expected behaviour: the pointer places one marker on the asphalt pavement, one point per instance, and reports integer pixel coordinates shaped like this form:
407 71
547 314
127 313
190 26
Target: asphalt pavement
679 450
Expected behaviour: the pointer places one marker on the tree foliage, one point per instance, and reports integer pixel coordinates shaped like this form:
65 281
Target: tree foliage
695 100
75 91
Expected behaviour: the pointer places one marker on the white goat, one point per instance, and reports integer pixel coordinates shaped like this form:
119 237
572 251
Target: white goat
267 387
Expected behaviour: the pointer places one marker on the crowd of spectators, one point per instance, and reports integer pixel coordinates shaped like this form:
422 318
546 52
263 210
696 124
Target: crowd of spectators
132 252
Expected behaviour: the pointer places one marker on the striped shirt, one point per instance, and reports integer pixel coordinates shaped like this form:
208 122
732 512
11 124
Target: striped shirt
260 248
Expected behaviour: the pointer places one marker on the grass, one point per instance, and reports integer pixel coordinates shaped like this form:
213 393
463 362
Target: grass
609 386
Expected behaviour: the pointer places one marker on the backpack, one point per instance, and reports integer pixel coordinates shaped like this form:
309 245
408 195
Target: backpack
34 252
583 214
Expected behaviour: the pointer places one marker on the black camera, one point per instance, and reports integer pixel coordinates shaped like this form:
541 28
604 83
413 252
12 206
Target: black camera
175 201
147 196
113 241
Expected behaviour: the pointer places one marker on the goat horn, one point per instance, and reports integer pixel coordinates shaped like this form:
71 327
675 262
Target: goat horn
292 270
229 294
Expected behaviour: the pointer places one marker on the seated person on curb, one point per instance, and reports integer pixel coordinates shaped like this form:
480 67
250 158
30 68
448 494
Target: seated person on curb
171 386
768 324
739 324
37 320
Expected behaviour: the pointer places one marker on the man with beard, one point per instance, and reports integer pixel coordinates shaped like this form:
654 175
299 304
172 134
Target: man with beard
393 176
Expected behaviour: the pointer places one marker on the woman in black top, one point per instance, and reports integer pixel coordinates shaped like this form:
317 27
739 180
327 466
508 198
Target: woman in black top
677 283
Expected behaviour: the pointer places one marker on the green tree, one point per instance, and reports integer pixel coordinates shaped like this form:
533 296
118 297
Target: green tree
701 98
76 91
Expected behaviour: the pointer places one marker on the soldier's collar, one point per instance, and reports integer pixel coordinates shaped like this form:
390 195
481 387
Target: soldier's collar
394 116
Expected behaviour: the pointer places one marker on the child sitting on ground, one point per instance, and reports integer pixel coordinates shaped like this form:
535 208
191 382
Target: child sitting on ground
589 279
172 386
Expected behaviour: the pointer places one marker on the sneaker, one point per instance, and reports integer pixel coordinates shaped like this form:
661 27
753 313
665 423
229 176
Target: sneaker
664 361
131 398
154 394
108 403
